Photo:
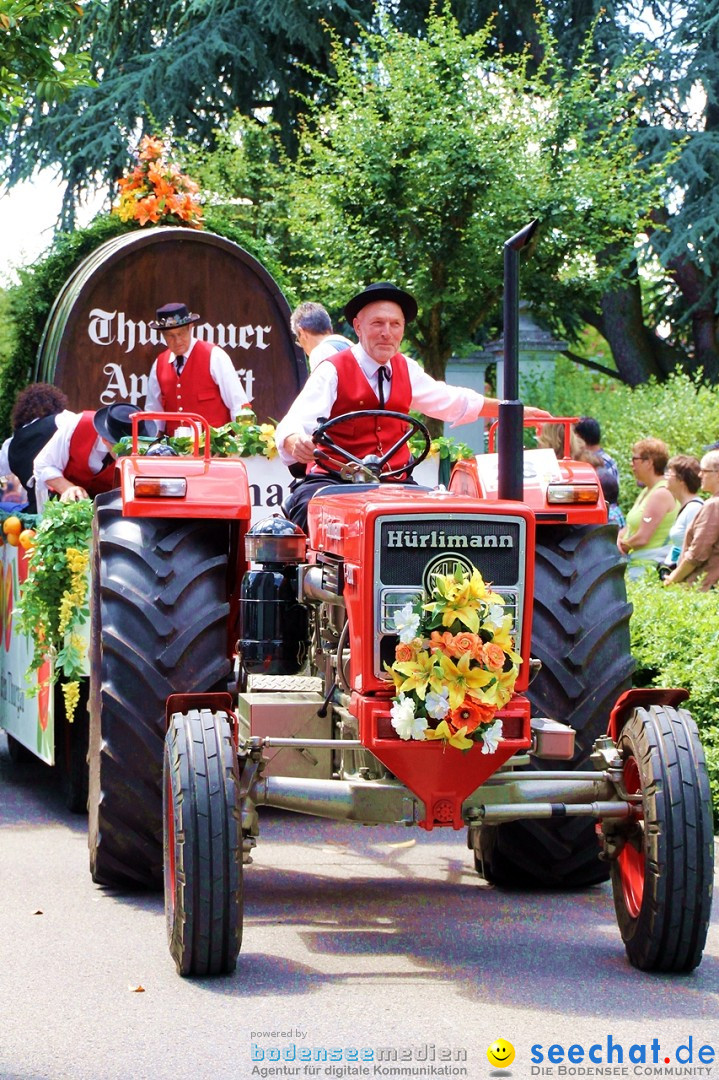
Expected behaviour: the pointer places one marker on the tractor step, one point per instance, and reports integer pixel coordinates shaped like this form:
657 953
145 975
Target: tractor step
307 684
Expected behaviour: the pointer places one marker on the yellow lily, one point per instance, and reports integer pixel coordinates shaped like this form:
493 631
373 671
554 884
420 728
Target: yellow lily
457 739
418 674
459 678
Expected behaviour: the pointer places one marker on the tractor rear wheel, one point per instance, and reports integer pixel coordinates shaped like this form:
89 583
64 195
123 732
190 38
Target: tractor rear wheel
159 626
662 876
202 844
581 635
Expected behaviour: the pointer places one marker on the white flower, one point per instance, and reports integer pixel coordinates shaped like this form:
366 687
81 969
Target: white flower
437 705
491 737
406 622
404 722
496 614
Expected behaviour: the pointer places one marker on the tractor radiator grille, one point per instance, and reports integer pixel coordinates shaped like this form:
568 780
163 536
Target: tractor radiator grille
406 546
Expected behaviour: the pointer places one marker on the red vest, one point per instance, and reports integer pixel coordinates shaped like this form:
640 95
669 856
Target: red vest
77 470
194 391
369 435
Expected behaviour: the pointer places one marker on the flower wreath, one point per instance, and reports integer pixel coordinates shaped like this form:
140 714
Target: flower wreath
455 664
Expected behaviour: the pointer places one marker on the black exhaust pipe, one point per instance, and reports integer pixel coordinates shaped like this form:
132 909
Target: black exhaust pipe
511 410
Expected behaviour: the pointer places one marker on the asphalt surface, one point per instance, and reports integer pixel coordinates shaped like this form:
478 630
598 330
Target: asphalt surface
357 941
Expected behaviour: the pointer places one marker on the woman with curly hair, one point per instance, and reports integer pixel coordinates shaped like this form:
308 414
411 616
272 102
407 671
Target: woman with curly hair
645 537
35 416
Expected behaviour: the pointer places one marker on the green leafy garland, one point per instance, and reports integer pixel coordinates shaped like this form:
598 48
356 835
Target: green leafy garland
53 601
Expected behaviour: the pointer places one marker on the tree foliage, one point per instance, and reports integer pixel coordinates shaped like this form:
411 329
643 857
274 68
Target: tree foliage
37 59
178 67
434 151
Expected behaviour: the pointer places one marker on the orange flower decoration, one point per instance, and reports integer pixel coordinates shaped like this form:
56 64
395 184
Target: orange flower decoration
470 715
494 656
441 642
465 643
405 652
156 191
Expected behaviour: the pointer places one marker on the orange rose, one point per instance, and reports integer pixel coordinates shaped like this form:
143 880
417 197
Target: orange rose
470 715
405 652
465 643
441 642
494 656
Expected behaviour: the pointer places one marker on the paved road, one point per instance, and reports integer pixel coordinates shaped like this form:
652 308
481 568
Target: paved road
355 938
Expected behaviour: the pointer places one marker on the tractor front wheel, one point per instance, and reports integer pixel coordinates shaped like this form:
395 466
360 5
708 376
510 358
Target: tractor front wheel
662 874
202 844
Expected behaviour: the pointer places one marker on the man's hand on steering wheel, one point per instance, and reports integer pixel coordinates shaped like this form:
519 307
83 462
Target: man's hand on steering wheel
374 463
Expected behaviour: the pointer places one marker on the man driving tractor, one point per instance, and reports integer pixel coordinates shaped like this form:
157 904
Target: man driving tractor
372 375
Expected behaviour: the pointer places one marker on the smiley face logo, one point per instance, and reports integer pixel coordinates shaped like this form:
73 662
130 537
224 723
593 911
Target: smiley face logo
500 1053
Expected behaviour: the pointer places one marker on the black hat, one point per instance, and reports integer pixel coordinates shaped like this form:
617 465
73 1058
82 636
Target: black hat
113 422
381 290
171 316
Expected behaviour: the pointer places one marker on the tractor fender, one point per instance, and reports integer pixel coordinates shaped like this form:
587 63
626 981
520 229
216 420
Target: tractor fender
639 698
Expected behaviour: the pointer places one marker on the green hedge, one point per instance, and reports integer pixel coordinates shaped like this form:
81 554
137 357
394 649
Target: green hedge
681 411
675 641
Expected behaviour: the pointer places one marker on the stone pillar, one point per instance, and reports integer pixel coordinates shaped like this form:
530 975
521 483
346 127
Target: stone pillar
537 356
469 371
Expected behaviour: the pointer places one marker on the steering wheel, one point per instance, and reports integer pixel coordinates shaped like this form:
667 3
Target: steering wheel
371 465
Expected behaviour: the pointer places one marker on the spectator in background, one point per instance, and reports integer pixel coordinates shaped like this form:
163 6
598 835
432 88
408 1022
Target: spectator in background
645 537
610 488
683 481
699 558
588 429
552 437
39 410
312 328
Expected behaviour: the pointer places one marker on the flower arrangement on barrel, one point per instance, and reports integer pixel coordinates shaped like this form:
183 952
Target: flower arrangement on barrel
156 192
455 664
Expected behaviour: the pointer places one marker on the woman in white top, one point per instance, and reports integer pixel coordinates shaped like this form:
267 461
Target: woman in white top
683 482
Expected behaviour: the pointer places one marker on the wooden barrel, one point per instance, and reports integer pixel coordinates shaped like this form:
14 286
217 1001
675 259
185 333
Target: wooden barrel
97 346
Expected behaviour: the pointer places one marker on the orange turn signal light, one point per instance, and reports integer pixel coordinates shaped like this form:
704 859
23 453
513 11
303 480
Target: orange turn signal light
573 493
160 487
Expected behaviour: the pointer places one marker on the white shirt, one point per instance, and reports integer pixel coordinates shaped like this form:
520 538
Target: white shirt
456 404
222 371
4 463
330 345
52 460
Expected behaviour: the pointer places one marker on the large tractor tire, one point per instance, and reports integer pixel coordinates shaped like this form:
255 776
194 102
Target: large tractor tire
159 626
662 877
580 633
202 844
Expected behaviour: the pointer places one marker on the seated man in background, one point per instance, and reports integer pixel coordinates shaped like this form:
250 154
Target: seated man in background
79 462
312 328
192 375
373 374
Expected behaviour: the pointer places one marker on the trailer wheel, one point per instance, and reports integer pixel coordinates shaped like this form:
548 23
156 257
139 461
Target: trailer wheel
159 626
662 877
202 844
581 634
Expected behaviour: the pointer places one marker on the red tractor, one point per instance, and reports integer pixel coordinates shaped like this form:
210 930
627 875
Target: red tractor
266 656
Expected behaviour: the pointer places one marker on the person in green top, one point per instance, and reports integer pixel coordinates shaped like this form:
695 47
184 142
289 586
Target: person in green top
645 537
